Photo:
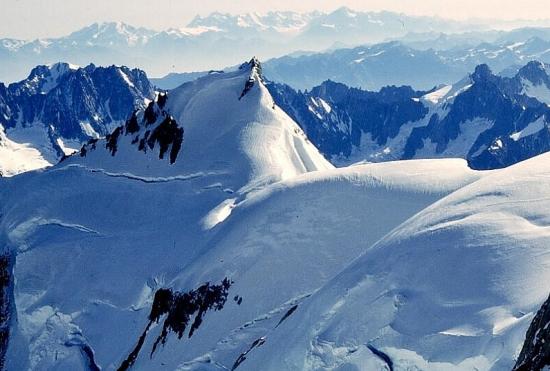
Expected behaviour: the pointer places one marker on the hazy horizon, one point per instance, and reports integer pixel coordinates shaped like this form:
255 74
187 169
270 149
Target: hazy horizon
30 19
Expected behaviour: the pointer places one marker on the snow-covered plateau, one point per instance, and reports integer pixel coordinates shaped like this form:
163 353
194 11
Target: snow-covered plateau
208 233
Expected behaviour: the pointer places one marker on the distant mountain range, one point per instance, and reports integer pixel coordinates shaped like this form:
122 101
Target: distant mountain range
396 63
491 121
449 58
217 41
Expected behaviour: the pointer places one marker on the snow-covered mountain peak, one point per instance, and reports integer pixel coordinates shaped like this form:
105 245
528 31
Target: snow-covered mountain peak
254 66
110 34
60 106
116 26
534 81
62 67
283 22
345 11
233 131
246 134
44 78
446 93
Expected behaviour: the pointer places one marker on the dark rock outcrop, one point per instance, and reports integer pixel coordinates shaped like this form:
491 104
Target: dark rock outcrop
148 128
535 354
178 310
165 134
242 357
112 140
255 72
383 356
6 282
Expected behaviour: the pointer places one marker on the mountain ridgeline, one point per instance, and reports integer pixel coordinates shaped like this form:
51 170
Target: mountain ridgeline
491 121
405 62
421 61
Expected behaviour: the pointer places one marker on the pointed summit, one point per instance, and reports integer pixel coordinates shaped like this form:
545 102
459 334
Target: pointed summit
482 73
535 72
253 65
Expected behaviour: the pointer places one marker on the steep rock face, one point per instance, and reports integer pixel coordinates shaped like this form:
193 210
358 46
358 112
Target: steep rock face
6 305
335 116
67 97
489 120
495 102
535 354
58 107
536 73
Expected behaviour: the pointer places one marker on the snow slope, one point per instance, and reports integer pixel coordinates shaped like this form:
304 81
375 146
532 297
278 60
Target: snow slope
18 157
98 235
453 288
283 242
123 238
111 191
447 93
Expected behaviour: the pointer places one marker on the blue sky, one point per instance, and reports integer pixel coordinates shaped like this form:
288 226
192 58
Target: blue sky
46 18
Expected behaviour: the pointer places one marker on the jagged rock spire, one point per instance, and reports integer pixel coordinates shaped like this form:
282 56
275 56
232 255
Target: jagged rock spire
535 354
255 74
254 65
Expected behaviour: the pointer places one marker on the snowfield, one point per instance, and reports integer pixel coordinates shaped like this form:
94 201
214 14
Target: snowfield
422 264
453 288
19 157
